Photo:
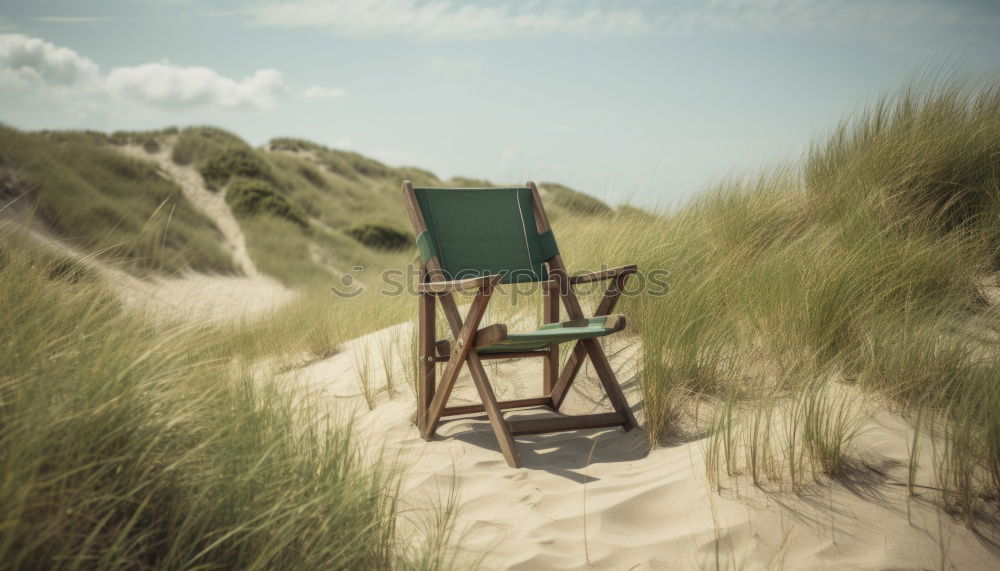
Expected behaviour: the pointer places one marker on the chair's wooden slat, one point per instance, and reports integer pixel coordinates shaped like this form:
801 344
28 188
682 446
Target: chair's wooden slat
453 285
495 356
504 405
561 423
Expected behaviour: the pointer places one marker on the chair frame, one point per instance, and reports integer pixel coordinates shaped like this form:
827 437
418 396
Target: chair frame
432 400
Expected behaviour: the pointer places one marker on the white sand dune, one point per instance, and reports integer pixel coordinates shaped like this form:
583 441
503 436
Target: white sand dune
597 499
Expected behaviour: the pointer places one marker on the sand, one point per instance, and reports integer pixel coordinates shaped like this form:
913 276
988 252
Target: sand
600 499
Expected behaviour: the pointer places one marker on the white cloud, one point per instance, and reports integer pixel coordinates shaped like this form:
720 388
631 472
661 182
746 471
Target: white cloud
169 85
316 92
47 69
446 19
31 62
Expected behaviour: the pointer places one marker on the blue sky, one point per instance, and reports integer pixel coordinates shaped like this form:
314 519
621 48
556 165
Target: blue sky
641 101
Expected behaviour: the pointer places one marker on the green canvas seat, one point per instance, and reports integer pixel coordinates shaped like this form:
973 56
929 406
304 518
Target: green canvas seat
478 238
555 333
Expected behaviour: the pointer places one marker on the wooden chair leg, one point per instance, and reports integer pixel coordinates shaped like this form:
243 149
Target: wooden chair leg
607 376
493 412
482 382
425 351
464 337
550 313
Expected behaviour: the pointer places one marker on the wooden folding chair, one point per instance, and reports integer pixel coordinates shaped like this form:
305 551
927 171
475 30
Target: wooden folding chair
477 239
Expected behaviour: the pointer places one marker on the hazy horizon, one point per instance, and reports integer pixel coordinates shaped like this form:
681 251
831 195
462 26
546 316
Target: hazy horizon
628 101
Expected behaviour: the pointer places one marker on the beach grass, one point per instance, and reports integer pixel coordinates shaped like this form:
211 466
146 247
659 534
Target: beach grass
129 444
856 272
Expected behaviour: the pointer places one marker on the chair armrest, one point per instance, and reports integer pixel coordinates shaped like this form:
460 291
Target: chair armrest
458 285
484 338
603 274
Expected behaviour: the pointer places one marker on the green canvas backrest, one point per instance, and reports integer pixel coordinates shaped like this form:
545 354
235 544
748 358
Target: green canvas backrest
484 231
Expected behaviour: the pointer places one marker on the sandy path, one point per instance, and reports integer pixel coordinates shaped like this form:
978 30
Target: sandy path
211 203
195 296
626 509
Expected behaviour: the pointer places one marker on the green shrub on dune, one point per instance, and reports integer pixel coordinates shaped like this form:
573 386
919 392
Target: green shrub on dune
380 236
254 197
291 144
149 140
224 165
197 143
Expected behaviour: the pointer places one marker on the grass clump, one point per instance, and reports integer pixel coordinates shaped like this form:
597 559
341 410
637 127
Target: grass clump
830 422
254 197
126 446
290 144
150 141
222 166
380 236
195 144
